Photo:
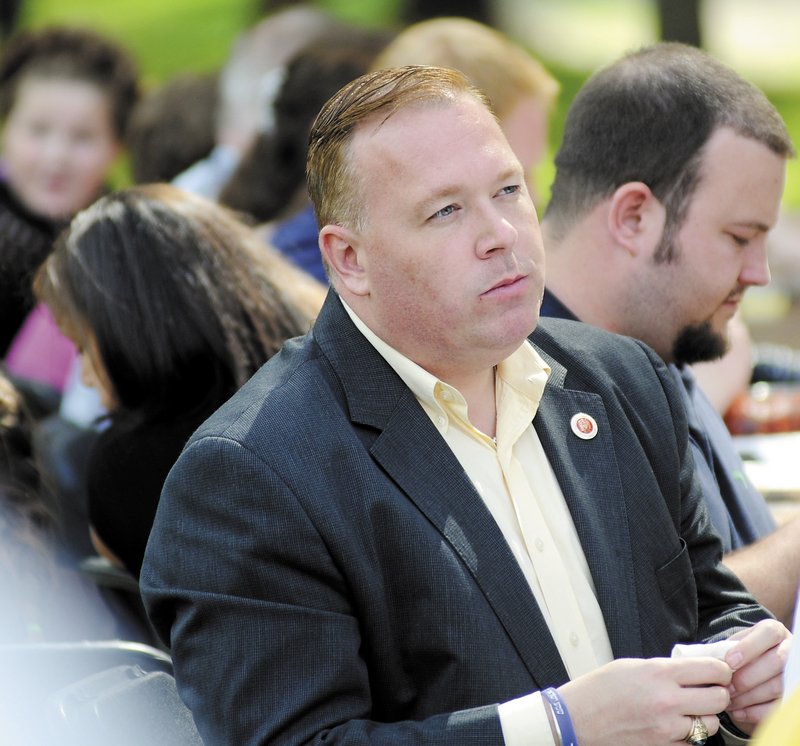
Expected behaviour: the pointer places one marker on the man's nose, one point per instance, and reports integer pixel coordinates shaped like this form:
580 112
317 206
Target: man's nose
497 233
755 270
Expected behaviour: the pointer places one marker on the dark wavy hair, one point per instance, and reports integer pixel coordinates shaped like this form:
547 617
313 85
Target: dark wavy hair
63 52
181 299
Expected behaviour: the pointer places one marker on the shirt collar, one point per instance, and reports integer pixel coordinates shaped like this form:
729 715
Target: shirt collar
524 371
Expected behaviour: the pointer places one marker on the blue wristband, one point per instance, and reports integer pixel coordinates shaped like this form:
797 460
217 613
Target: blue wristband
562 717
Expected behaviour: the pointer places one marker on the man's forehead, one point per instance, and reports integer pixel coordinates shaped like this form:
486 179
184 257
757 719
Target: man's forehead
433 136
420 112
434 127
737 165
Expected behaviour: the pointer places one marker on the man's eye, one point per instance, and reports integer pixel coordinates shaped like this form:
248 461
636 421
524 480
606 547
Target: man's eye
444 212
510 189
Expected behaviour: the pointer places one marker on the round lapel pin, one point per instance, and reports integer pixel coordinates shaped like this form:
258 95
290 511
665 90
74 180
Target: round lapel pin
583 425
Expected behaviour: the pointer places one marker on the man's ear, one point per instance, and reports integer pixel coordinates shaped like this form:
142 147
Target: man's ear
341 250
636 218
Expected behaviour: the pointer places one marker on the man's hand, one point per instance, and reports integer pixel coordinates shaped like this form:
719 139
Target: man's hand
635 701
757 662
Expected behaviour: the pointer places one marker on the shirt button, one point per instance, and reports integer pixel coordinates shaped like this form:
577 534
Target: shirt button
574 639
446 395
539 544
441 421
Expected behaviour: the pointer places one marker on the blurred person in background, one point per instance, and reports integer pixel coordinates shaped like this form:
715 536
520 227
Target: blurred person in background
270 182
172 127
249 78
173 303
65 97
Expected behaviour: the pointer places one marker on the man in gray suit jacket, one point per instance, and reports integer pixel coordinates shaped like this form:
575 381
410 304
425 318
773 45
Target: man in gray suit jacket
414 525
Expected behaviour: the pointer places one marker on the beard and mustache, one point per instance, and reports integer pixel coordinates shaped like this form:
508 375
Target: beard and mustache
695 343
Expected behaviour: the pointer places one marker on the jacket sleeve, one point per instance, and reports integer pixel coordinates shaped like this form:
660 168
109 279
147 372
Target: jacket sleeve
723 603
266 647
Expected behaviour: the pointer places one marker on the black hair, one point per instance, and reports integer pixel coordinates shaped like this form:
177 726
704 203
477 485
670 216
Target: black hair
176 294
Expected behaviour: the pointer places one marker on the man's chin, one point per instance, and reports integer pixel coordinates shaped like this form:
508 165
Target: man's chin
699 343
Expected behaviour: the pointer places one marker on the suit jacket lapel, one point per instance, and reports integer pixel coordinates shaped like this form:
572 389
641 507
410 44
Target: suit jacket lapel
417 458
588 474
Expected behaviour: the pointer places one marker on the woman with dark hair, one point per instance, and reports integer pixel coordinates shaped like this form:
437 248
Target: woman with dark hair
173 303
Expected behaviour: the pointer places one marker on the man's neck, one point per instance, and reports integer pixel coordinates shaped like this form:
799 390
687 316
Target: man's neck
578 272
474 381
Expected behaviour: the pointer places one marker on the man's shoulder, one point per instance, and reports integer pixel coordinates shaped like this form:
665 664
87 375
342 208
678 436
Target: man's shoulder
279 392
586 357
580 341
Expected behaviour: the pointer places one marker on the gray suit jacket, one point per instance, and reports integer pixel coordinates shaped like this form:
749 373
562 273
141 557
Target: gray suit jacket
322 567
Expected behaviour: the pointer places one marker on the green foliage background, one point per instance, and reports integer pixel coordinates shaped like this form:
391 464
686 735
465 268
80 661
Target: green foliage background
171 36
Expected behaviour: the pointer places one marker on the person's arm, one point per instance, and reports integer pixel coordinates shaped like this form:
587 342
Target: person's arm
208 176
757 662
770 569
266 644
653 701
724 605
630 701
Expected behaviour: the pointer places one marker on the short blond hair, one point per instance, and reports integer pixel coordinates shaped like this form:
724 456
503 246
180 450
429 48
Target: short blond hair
501 68
332 184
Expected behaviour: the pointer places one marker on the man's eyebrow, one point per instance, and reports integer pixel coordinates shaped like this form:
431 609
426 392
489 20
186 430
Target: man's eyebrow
514 171
448 191
429 201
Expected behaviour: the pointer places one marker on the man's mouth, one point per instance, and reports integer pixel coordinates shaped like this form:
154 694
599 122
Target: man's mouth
505 283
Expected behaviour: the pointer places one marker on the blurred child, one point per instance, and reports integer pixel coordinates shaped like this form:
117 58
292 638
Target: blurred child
65 96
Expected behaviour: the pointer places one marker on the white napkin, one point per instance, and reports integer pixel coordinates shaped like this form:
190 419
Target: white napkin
708 649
